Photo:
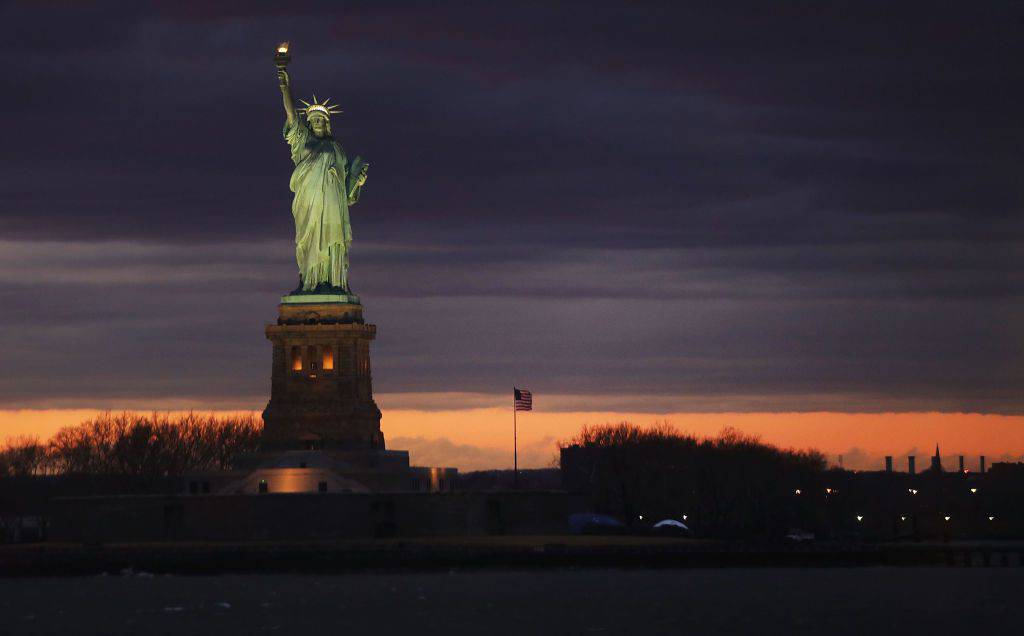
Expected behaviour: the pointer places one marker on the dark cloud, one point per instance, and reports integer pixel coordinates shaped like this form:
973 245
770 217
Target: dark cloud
149 320
796 199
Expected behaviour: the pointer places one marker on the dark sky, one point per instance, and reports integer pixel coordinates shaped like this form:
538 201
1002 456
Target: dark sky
737 206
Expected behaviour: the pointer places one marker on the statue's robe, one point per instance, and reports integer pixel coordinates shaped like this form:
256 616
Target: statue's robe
323 233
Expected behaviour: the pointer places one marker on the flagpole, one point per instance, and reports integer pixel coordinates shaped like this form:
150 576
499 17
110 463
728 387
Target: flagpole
515 443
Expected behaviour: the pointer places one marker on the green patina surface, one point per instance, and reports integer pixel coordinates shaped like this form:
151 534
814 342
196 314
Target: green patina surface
299 299
326 183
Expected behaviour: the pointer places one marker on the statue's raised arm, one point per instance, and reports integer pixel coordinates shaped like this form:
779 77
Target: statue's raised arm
286 94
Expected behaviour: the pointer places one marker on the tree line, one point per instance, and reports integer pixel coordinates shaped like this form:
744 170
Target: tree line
728 483
154 445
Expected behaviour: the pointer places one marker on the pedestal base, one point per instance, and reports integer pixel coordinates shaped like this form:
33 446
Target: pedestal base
321 393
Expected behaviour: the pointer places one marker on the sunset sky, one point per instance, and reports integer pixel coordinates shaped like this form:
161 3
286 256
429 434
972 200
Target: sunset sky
802 222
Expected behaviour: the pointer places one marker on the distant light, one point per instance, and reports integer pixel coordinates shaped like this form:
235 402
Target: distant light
797 491
974 490
860 517
991 518
641 517
684 517
947 517
828 491
912 491
902 518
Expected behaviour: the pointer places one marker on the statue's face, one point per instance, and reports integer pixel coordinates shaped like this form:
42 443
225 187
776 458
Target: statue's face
319 125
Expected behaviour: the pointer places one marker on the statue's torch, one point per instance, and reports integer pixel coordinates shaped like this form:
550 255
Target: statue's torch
282 56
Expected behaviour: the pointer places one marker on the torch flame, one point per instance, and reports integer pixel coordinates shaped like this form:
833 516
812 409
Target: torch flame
282 47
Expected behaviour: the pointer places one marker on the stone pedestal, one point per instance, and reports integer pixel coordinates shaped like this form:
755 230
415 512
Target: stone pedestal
321 392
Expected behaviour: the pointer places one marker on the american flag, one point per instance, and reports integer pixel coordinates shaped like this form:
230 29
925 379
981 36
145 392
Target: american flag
524 400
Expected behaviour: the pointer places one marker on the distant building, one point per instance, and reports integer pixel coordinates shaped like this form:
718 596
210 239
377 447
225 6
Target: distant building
937 461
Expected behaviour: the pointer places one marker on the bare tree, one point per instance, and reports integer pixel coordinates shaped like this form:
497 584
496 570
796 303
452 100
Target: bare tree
21 456
154 445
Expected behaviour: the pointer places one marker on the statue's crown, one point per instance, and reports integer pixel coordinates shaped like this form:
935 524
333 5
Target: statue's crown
319 107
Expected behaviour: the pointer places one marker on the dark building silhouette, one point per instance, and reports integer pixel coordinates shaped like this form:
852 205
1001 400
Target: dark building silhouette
937 460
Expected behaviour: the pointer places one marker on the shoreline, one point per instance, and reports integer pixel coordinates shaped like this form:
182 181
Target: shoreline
496 552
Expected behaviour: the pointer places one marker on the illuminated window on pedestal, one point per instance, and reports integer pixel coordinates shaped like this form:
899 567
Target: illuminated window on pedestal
328 359
311 353
296 358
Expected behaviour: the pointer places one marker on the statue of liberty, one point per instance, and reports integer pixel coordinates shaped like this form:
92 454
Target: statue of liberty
325 184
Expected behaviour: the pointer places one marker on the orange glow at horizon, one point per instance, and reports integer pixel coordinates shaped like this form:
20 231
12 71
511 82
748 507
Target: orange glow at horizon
863 438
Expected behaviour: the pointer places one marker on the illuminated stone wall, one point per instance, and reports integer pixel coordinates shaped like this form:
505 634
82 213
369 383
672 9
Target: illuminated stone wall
321 387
